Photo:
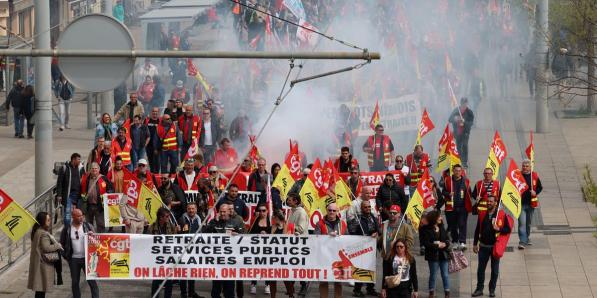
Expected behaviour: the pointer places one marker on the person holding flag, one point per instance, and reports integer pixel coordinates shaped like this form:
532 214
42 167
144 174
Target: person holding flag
484 240
462 119
529 203
379 149
364 224
417 163
189 126
485 188
457 198
285 180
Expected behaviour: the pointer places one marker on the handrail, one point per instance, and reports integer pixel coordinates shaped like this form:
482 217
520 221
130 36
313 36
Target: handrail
11 252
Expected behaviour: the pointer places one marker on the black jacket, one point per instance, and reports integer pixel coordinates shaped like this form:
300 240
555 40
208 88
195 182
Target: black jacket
66 242
216 132
393 193
412 284
432 251
485 233
468 116
14 98
367 226
178 195
63 183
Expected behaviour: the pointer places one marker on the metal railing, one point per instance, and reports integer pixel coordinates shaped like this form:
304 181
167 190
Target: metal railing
11 252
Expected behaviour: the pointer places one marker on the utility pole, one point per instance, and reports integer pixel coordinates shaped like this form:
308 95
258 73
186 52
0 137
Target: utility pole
43 106
107 98
541 80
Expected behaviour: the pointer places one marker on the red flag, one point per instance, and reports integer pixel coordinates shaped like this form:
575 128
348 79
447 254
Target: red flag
293 161
374 117
194 149
530 151
254 153
317 177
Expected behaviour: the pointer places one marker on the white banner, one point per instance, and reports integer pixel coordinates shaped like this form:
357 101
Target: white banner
225 257
395 114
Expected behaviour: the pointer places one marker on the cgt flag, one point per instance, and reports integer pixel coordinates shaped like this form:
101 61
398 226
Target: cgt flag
310 195
442 156
289 172
374 117
530 151
497 154
425 126
421 200
453 154
15 221
514 186
146 200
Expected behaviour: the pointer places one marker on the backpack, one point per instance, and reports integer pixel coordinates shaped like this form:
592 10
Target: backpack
65 92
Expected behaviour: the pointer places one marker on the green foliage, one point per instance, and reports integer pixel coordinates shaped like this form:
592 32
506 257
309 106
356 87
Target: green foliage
574 18
589 188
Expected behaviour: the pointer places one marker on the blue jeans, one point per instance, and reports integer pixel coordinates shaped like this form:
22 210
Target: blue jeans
19 121
442 266
73 198
170 157
524 224
485 253
137 154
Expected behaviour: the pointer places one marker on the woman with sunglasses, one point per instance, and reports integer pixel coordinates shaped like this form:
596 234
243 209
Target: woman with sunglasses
403 263
261 225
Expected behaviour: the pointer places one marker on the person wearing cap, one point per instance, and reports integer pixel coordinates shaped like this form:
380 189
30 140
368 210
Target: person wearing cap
210 134
168 134
462 119
332 225
379 149
190 128
180 92
130 109
139 139
142 171
217 180
226 157
390 232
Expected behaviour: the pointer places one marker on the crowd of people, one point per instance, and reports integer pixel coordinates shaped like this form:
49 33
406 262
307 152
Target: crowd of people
184 144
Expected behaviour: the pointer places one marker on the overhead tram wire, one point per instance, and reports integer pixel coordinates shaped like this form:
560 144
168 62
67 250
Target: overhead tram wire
303 27
277 103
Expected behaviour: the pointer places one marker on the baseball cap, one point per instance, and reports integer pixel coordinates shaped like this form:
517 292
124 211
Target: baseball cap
179 84
142 161
306 171
213 169
395 208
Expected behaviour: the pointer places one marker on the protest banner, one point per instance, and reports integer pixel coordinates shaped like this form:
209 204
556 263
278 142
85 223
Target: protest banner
372 180
112 217
225 257
396 114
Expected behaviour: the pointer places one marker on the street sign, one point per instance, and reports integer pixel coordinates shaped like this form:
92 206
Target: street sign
96 32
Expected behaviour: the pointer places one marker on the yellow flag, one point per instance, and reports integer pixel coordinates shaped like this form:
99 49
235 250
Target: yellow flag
442 157
283 182
112 216
15 221
497 154
310 197
149 203
343 194
514 186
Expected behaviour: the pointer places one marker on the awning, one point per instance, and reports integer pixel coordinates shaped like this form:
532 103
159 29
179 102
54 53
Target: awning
190 3
173 14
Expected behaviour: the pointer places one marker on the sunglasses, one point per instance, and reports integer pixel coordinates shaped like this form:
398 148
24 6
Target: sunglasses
262 210
212 172
399 160
141 165
400 246
332 210
394 213
77 234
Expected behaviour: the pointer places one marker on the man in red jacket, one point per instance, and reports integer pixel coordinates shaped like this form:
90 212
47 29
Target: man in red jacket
168 134
190 128
93 186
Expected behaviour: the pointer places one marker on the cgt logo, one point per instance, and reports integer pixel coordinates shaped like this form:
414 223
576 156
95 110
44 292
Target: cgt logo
120 244
131 191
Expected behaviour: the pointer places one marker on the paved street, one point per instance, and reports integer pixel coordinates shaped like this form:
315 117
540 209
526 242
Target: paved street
561 263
